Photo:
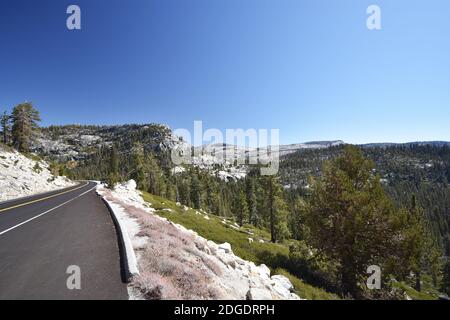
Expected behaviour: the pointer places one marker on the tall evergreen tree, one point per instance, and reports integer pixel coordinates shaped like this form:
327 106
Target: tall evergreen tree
350 218
419 246
241 208
5 119
196 192
171 191
212 195
113 171
138 169
417 232
155 178
25 120
251 200
276 209
445 283
184 191
298 228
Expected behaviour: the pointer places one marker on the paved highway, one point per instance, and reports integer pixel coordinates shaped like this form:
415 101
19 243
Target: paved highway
42 236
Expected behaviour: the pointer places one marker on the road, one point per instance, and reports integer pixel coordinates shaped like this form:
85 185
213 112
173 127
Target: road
41 236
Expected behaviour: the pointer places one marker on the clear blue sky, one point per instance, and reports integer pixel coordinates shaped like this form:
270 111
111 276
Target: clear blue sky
310 68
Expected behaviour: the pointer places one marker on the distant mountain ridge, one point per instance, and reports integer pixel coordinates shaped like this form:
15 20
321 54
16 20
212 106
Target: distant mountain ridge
76 142
415 143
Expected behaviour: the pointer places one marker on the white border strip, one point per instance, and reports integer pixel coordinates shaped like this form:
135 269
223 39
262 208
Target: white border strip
131 265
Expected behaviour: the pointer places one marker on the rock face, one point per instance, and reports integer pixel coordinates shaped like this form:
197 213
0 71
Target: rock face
76 142
241 279
21 176
228 276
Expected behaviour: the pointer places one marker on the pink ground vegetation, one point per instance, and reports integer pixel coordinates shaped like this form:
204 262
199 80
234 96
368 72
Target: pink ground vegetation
170 263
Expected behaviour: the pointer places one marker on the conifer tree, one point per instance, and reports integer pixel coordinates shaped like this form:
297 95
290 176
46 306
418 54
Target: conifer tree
5 119
171 191
276 209
241 208
155 179
445 283
184 191
211 195
138 169
25 120
113 172
196 192
350 218
251 200
297 225
419 248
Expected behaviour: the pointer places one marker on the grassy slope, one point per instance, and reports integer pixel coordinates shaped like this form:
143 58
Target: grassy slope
428 291
213 229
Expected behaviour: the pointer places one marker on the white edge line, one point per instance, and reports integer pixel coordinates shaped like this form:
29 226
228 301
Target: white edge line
48 211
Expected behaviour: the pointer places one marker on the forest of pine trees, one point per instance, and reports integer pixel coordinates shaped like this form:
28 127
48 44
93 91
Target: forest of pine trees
341 217
346 218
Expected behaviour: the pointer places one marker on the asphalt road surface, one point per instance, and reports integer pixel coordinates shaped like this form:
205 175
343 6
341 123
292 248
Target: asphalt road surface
46 239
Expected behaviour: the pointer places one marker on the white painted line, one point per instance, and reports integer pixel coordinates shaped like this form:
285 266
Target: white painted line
48 211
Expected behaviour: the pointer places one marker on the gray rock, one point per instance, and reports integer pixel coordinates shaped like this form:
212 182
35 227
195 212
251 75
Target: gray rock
283 282
225 247
258 294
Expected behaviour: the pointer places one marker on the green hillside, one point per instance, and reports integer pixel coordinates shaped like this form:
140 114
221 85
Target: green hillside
214 229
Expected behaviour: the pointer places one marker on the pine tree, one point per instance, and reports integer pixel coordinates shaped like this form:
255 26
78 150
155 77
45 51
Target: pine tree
212 201
241 208
196 192
445 283
184 191
251 200
155 180
420 249
5 119
276 209
298 229
162 184
113 171
24 118
224 201
434 260
261 202
171 191
350 218
138 169
417 240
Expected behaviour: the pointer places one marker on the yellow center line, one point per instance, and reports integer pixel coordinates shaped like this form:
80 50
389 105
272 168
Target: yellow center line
42 199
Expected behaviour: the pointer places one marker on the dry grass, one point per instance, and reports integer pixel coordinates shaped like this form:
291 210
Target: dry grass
170 264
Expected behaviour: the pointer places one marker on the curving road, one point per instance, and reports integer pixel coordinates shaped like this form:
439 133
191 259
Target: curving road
41 236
